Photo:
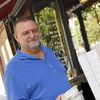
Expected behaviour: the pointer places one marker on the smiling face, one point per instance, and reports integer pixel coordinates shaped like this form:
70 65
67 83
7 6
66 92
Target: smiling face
27 34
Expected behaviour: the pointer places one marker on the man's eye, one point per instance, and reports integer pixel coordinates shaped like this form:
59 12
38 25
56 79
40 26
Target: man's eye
35 30
32 30
25 33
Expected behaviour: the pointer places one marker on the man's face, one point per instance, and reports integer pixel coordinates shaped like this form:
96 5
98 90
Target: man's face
27 34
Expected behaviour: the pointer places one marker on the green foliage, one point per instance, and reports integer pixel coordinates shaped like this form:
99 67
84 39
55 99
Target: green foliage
47 24
91 22
44 18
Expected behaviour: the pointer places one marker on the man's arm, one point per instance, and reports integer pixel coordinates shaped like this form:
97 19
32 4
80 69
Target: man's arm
15 86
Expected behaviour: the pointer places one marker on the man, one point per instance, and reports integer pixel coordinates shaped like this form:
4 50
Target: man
34 73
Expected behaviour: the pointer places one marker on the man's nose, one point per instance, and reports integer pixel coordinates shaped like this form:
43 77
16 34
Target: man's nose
31 34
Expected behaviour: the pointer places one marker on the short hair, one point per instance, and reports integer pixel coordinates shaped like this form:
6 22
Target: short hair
22 19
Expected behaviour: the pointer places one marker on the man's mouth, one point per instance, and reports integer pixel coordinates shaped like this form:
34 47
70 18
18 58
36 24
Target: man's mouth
34 39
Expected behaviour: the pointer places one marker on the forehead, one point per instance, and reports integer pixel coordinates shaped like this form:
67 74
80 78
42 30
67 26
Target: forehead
25 26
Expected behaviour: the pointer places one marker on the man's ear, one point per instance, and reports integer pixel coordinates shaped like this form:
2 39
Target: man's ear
15 36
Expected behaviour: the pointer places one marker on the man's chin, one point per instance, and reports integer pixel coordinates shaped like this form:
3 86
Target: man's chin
33 46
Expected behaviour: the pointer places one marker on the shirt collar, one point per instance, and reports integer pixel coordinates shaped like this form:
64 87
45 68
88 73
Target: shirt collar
24 56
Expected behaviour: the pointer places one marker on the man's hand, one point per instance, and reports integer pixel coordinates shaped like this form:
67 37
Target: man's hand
59 97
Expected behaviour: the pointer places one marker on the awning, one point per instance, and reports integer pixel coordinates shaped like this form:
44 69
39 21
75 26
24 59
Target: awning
6 7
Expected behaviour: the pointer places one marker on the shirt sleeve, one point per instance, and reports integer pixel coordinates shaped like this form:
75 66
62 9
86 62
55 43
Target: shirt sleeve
15 86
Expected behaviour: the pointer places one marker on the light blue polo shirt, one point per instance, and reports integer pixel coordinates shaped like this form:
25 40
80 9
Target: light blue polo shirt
31 78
